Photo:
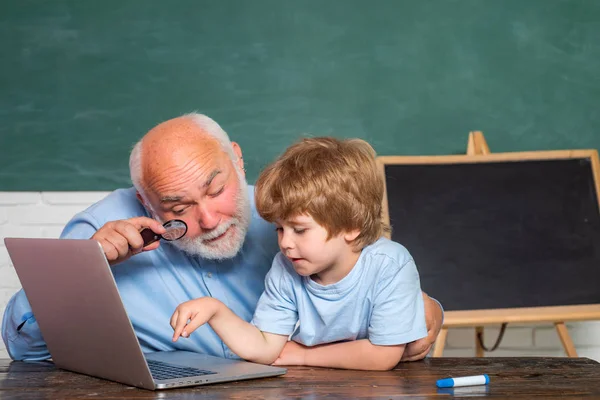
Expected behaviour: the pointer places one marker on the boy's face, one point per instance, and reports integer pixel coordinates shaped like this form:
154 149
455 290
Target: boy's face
304 242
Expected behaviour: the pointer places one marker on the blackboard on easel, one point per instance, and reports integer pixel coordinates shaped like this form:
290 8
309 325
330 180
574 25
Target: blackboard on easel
499 238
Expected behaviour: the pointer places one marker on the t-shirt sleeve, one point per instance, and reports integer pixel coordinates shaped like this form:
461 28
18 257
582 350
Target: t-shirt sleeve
276 311
398 315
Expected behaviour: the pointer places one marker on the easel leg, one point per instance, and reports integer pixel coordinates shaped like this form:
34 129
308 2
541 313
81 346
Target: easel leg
476 145
440 343
478 348
565 338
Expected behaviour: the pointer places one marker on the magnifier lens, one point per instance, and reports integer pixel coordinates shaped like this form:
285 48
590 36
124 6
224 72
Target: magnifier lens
176 229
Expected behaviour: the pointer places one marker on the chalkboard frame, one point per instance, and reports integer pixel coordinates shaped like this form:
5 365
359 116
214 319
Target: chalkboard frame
478 318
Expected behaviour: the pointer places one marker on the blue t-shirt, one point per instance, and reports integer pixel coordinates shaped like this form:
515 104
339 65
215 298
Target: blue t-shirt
380 300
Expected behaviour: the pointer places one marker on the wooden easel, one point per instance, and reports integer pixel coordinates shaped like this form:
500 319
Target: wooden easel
477 146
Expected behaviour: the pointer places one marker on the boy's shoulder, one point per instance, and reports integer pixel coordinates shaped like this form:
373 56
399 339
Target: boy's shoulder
282 268
385 251
386 260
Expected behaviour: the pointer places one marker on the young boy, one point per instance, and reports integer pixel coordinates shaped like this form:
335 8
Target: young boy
335 274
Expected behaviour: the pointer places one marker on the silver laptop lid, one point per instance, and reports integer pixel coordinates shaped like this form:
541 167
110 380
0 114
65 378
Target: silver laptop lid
76 303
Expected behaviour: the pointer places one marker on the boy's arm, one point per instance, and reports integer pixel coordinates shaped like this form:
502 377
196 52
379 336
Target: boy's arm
356 354
296 354
243 338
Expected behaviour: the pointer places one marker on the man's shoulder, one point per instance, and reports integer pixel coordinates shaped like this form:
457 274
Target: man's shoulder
119 204
259 229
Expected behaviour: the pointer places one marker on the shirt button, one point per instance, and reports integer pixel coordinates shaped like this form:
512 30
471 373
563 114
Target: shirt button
209 275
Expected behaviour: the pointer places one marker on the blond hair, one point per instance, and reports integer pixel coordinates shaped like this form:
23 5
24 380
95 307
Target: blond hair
335 181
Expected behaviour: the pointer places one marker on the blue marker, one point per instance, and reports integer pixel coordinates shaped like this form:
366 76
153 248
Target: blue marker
464 381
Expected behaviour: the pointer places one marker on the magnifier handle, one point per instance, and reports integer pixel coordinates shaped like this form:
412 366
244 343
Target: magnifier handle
149 236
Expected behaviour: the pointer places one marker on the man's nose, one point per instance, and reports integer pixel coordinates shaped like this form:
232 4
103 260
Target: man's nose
209 219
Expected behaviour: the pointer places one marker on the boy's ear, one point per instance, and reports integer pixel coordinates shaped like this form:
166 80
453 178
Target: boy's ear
351 235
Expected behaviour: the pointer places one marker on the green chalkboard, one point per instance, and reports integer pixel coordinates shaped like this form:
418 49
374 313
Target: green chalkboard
81 81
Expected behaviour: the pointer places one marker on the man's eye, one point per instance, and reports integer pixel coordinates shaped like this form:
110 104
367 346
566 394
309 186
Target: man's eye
180 211
218 192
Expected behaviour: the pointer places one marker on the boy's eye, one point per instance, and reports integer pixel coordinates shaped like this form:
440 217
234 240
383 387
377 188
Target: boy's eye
279 229
299 231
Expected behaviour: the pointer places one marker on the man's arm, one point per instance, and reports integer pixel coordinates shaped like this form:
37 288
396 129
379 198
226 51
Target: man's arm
20 331
243 338
434 319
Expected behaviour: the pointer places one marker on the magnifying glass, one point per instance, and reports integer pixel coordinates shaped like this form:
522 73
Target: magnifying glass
176 229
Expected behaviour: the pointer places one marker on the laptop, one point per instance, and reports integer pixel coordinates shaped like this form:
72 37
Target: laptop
75 300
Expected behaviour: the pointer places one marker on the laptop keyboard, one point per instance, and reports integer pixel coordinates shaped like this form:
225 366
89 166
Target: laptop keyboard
161 370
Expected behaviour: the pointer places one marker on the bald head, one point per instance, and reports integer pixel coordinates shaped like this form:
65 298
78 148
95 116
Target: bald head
172 136
171 144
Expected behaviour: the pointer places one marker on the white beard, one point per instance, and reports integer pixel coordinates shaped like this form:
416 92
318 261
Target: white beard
229 245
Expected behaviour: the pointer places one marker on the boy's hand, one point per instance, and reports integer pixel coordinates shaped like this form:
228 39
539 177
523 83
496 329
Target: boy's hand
192 314
292 354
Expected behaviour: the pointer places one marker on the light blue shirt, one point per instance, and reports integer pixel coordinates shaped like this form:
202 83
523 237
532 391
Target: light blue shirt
380 300
154 283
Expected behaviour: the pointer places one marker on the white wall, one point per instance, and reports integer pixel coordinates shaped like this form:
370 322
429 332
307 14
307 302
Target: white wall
34 214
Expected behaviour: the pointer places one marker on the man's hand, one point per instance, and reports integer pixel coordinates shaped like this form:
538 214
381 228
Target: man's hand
292 354
197 312
121 239
418 349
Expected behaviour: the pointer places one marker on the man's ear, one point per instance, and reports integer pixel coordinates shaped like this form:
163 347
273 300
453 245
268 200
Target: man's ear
146 205
351 235
140 198
237 150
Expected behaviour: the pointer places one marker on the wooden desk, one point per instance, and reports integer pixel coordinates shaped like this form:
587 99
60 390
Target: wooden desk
510 378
